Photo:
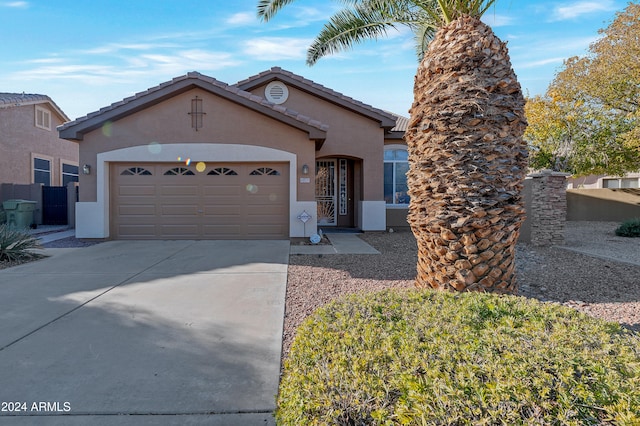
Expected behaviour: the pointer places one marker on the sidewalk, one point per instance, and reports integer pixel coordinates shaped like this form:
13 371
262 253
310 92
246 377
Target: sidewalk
340 244
49 233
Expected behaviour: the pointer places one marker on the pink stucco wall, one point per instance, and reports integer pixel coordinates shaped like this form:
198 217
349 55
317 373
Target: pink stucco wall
20 139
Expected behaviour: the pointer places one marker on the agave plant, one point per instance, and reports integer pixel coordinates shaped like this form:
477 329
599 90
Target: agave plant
467 157
16 245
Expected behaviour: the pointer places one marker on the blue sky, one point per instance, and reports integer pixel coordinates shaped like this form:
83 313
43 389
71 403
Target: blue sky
88 54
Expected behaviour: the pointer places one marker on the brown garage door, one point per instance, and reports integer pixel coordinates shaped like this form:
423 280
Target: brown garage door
198 201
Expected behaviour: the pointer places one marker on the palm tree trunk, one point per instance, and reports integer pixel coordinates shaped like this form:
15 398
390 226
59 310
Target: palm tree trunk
467 161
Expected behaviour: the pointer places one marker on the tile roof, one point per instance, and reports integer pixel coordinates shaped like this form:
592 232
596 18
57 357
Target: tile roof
402 123
179 84
18 98
8 100
387 119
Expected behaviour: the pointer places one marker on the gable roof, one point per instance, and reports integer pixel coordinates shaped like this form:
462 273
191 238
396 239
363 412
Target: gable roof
9 100
386 120
76 129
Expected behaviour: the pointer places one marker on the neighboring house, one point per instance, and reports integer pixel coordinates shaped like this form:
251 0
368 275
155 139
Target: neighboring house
630 180
31 151
194 158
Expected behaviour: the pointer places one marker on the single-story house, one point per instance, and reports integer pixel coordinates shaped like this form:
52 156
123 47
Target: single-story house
31 150
629 180
272 156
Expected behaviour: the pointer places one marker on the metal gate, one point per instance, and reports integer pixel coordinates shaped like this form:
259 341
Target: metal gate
54 205
326 192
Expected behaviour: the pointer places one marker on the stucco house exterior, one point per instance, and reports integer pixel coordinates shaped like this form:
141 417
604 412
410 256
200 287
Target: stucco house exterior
31 151
630 180
272 156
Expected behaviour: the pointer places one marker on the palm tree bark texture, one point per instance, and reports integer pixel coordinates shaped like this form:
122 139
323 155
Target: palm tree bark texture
467 161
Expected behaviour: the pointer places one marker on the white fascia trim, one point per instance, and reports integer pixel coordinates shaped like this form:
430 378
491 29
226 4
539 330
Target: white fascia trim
97 225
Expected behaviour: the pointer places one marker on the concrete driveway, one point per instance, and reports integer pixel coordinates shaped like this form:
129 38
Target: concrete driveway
144 333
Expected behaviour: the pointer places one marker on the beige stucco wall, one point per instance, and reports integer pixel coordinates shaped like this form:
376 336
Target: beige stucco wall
349 135
616 205
169 123
20 140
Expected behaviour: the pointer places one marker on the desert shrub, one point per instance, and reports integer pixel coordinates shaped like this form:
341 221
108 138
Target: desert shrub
427 358
16 245
629 228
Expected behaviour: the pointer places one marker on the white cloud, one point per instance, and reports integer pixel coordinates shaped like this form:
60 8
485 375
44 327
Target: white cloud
16 4
579 8
127 69
46 61
277 48
116 47
495 20
242 18
539 63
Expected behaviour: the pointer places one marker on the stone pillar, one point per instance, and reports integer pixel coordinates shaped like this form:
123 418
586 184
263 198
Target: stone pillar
548 210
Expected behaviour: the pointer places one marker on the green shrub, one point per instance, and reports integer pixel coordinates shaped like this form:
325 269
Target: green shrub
15 245
427 358
3 215
629 228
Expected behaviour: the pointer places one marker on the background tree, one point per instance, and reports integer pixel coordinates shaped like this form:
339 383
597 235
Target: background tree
589 120
467 158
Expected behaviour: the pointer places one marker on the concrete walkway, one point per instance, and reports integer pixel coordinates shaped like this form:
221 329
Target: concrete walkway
145 333
340 244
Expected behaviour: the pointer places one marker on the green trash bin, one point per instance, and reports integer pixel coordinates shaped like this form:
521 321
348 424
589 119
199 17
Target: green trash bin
19 213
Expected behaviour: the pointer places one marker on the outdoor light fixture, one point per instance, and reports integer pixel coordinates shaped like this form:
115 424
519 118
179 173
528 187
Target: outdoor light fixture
305 169
86 169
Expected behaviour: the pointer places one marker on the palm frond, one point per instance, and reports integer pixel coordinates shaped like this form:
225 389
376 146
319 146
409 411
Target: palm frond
366 20
453 9
267 9
362 20
423 36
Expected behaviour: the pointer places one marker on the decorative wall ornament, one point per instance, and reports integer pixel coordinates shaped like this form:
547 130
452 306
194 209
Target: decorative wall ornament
196 113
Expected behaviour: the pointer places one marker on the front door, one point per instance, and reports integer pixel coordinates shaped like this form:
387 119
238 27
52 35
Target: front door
334 192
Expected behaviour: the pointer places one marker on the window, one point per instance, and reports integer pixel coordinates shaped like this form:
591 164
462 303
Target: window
43 118
42 171
69 173
620 183
265 171
179 171
222 171
396 167
136 171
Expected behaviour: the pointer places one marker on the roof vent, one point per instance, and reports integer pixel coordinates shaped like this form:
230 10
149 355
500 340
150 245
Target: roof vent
276 92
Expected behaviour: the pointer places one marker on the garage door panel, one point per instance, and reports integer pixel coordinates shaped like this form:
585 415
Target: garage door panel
136 190
224 189
219 205
223 199
263 231
179 190
180 231
137 210
137 230
266 210
222 210
218 232
179 210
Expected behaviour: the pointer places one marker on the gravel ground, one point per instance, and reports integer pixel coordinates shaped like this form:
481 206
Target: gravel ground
69 242
599 287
